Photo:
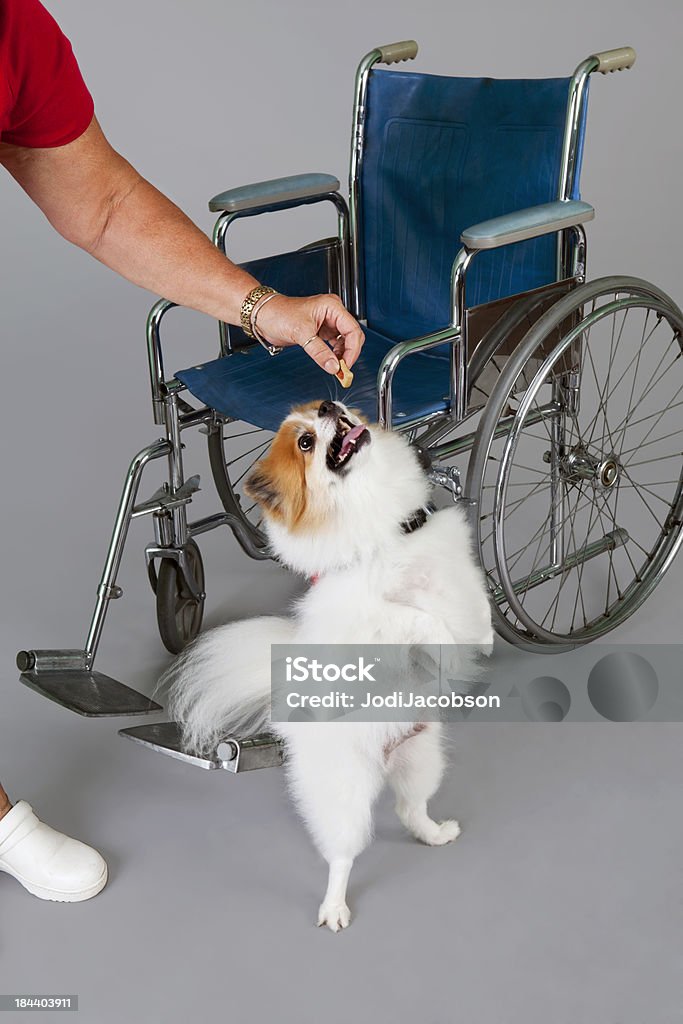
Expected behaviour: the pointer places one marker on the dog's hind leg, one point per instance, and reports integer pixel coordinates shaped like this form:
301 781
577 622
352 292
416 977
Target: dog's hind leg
335 786
415 770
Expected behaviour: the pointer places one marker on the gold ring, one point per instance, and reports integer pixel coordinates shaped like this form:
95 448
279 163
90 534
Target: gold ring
310 340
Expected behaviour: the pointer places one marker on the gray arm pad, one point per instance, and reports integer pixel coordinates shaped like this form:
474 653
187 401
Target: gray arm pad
530 223
272 195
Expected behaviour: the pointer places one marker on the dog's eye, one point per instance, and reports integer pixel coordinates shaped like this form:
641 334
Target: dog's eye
306 442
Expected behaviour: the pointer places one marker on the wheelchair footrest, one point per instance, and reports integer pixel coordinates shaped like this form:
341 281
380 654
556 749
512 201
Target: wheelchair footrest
232 754
62 676
246 755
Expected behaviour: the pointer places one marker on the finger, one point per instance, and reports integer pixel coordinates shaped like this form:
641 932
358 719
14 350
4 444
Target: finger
336 343
320 352
353 343
349 329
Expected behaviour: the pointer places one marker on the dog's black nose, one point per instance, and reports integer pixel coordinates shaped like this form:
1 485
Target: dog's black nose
327 409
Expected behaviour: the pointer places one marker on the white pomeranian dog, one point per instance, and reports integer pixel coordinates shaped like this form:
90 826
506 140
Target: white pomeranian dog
346 505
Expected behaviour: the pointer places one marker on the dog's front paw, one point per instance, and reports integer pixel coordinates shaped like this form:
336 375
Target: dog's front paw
440 832
334 915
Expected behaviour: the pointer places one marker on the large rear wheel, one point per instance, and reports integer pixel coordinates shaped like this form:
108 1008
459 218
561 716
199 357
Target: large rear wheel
577 466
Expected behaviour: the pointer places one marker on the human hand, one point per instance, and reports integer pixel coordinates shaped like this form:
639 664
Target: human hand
320 325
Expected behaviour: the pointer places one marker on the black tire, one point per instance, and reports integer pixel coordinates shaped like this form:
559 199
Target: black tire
179 614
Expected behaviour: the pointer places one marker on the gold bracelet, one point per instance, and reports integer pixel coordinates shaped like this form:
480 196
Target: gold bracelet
248 307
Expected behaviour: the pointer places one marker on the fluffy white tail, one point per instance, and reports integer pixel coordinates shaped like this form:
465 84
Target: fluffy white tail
220 685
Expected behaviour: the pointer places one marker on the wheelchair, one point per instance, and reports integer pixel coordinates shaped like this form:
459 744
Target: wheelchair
462 249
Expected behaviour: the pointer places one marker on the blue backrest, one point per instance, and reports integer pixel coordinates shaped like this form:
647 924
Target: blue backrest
442 154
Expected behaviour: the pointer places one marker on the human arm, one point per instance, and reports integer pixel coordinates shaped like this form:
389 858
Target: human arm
96 199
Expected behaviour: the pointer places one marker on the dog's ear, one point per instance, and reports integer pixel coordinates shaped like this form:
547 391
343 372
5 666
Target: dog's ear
260 487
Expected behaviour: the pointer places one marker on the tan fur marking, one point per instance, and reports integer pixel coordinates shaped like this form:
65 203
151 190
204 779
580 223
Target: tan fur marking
389 748
307 407
284 474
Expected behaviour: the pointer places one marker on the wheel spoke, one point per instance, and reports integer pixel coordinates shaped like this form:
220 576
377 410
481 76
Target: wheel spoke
566 572
643 440
650 462
643 487
579 592
256 448
659 414
242 433
650 387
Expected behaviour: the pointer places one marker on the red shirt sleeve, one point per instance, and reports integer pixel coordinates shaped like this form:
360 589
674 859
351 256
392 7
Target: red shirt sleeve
49 102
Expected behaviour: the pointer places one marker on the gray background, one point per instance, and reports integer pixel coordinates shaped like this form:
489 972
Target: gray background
561 902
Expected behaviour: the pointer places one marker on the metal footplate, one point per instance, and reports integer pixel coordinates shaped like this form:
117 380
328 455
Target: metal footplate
64 677
231 754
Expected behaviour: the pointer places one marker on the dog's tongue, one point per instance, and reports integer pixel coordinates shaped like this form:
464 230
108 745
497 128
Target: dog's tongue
349 438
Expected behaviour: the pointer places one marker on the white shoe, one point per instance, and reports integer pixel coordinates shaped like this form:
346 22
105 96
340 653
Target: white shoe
47 863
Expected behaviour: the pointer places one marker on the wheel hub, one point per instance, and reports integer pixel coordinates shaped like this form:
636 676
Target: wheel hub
580 464
608 473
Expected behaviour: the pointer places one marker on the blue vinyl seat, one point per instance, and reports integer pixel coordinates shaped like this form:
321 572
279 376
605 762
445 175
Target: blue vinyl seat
257 388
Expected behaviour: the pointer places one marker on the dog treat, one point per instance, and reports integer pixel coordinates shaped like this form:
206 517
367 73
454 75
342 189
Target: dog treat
344 375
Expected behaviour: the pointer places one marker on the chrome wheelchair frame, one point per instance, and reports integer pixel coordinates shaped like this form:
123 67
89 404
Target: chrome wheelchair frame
68 676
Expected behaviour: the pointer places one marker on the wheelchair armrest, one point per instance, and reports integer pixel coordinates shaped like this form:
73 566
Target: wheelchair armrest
278 194
529 223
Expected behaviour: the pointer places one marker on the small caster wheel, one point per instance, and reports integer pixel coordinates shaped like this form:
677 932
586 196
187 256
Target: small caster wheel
179 614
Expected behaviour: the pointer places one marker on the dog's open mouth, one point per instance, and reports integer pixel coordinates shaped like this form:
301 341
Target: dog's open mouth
348 440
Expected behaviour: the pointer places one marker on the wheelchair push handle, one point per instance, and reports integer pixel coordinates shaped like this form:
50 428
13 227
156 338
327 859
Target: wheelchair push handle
621 59
392 53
